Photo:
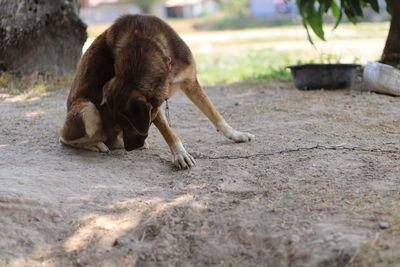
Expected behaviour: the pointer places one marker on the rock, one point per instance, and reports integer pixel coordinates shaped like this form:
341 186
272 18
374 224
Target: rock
293 238
384 225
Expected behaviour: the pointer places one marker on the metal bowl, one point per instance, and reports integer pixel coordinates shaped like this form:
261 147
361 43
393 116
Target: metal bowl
323 76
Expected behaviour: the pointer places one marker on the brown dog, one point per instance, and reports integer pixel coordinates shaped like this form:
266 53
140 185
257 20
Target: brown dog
121 82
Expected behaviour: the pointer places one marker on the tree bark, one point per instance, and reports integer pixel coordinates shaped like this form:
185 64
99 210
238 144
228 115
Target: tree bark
391 52
40 36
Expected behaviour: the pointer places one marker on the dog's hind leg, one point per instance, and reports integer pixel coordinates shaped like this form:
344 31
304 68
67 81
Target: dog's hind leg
116 141
83 128
95 146
182 159
197 95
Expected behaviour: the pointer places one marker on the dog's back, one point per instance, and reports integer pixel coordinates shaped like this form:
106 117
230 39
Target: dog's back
98 65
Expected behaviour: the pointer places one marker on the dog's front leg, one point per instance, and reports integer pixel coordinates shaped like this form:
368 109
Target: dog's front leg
197 95
182 159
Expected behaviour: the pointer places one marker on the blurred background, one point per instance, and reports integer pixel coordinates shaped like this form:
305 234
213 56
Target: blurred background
239 40
232 40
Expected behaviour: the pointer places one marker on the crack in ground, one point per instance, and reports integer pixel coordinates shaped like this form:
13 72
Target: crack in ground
286 151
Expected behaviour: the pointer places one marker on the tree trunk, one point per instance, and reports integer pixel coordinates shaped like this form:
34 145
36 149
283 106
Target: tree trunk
391 53
40 36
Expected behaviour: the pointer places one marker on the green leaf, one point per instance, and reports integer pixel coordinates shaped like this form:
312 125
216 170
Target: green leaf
349 10
374 4
336 12
356 7
308 32
314 19
302 5
338 20
312 11
351 17
325 5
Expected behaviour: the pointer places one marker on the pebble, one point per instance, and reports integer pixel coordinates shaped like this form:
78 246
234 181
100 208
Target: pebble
108 227
293 238
384 225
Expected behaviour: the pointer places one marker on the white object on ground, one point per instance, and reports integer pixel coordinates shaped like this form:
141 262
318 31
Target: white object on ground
382 78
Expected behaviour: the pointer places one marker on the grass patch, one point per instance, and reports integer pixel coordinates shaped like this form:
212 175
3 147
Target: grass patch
13 83
255 64
244 65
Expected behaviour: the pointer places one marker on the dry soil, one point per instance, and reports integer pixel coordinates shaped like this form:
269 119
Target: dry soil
291 204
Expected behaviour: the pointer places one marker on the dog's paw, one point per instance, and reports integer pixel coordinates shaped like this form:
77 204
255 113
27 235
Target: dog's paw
230 133
240 137
117 143
182 159
97 147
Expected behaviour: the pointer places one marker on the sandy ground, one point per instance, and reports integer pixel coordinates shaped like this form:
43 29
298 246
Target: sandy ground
65 207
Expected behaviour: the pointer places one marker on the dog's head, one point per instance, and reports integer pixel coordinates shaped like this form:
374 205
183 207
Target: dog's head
131 111
140 85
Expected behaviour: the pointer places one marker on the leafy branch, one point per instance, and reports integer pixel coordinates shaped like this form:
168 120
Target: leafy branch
312 11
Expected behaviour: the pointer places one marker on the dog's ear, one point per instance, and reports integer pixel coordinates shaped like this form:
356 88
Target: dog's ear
140 115
110 89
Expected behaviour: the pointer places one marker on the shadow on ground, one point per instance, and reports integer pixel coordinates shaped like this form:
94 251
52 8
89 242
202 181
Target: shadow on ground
62 206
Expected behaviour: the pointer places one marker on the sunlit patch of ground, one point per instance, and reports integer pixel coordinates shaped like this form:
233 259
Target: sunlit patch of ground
318 207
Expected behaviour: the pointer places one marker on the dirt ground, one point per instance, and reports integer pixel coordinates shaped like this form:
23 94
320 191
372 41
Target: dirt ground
66 207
